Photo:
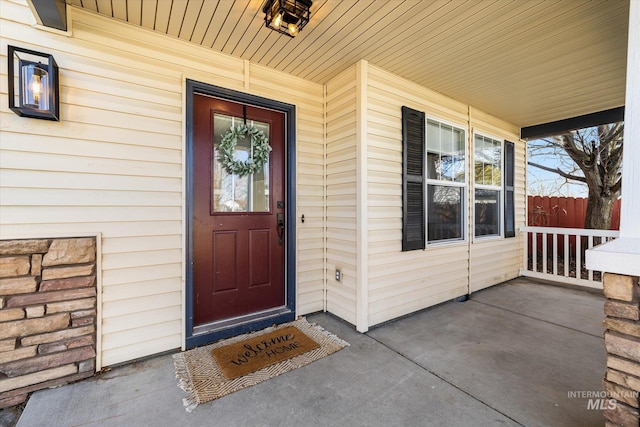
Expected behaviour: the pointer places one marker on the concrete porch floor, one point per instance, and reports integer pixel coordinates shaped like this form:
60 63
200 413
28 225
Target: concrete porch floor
509 356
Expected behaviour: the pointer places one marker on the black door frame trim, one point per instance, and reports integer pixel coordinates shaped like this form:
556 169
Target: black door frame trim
288 312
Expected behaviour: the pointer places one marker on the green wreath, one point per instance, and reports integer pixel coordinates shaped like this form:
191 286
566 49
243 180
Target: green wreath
260 149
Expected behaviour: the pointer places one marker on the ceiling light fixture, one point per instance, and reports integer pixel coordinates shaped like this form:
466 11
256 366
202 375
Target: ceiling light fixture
287 16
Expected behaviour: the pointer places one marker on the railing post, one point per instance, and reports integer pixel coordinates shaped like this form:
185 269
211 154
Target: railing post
544 253
534 250
567 250
578 256
555 254
525 258
589 246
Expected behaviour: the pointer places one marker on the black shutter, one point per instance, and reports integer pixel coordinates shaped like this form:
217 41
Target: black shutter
413 144
509 199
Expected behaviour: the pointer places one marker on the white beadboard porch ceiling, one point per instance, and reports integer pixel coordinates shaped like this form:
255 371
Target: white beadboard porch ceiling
525 61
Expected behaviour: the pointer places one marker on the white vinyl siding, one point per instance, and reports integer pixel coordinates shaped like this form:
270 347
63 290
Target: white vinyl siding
341 195
404 282
114 165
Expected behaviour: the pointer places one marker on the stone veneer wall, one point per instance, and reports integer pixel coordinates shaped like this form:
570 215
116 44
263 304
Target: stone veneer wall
622 341
47 314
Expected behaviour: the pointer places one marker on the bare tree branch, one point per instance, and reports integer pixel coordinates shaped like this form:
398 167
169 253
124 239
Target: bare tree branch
558 171
617 187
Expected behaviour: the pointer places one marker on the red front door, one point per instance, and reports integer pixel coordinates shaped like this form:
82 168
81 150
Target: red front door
238 245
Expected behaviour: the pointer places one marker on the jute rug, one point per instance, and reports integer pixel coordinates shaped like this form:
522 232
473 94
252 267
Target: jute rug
210 372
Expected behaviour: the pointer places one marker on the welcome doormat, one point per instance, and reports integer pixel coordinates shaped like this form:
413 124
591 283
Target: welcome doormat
257 352
210 372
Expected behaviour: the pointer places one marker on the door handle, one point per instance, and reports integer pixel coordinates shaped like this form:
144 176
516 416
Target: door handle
280 221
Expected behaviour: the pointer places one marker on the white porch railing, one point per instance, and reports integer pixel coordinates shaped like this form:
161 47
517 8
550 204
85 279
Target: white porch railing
557 254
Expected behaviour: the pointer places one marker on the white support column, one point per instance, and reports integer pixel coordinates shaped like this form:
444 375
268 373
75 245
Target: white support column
622 256
362 269
630 226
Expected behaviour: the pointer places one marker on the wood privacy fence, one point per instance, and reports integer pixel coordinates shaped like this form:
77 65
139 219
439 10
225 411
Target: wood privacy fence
565 212
560 212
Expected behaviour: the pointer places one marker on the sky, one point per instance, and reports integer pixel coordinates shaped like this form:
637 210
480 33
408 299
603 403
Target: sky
544 183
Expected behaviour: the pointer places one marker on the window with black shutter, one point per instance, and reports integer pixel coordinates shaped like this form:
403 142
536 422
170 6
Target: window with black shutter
413 214
509 199
488 166
434 177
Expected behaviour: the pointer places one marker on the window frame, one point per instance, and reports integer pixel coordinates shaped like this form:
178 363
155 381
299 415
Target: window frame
464 184
499 188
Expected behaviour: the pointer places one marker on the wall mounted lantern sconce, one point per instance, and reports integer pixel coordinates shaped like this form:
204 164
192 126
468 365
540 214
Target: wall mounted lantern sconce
33 84
287 16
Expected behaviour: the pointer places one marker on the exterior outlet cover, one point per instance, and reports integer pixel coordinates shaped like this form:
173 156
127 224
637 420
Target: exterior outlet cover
338 275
